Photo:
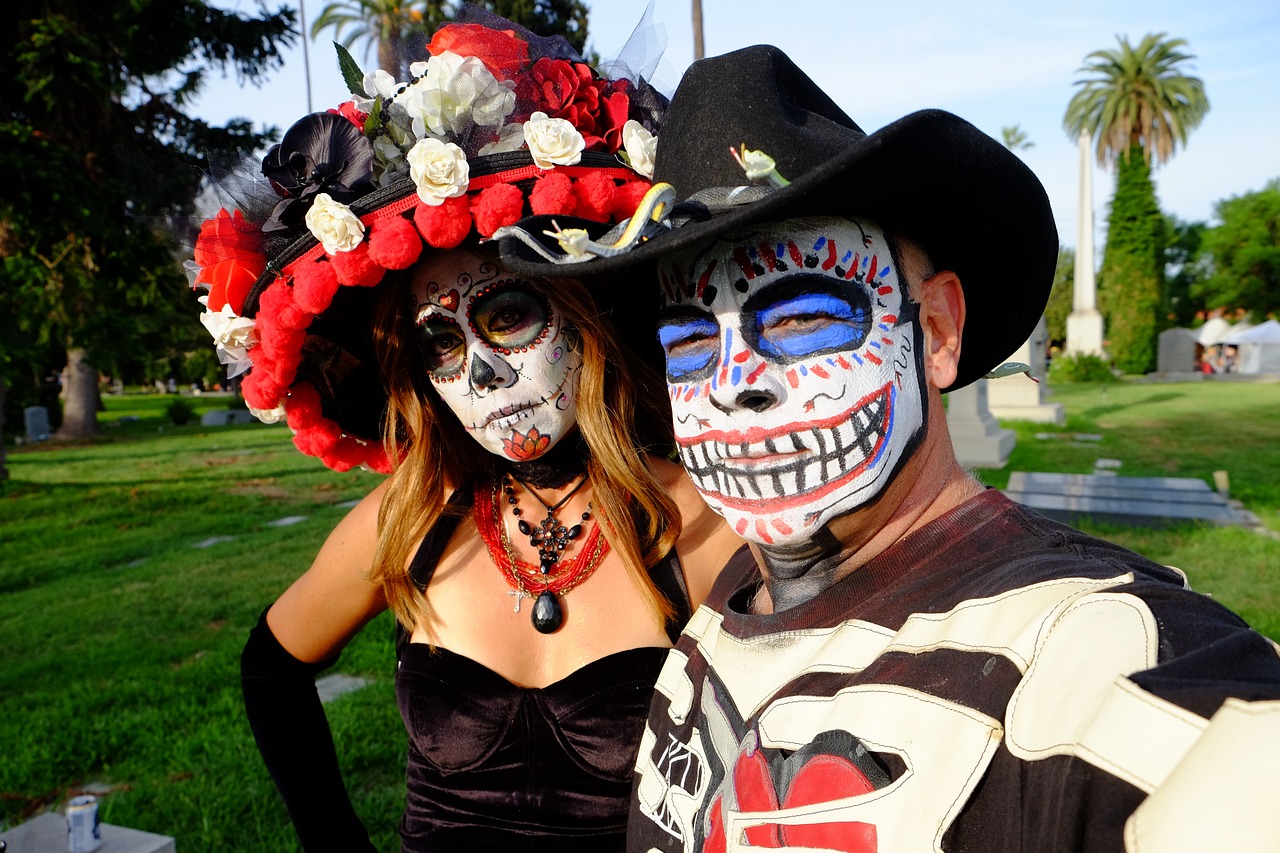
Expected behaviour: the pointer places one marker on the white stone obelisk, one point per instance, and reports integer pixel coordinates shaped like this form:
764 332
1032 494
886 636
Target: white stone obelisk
1084 323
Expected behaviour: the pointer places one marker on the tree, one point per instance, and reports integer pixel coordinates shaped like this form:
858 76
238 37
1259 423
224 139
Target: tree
386 27
1244 253
1185 268
1015 138
1139 105
99 149
1059 305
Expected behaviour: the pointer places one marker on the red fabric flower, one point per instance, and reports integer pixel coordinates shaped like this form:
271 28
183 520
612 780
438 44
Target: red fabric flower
499 205
500 51
553 194
444 225
314 285
229 254
356 268
394 243
350 113
615 109
522 447
568 90
319 439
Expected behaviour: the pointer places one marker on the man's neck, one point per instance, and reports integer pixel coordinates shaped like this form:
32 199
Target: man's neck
930 485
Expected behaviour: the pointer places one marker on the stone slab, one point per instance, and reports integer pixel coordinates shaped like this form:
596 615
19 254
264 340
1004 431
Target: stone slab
224 417
1139 501
47 833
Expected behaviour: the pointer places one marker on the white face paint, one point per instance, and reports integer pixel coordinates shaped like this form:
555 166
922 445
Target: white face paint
795 373
498 354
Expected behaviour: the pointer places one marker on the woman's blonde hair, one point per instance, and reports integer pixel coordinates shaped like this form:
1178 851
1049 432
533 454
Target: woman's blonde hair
431 452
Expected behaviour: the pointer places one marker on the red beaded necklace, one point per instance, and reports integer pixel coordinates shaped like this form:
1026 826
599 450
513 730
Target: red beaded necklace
544 582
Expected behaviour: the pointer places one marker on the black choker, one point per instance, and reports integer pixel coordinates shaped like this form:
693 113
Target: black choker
558 467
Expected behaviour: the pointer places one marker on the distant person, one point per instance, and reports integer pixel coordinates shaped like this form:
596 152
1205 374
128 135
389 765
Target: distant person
905 660
538 552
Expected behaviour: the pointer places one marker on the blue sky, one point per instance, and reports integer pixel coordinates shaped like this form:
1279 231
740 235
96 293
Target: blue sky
996 63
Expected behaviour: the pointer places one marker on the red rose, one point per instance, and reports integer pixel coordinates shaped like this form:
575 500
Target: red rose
229 254
616 108
500 51
567 90
350 113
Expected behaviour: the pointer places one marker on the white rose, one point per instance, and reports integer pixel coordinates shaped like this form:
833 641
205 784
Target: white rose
641 147
553 141
233 336
270 416
455 93
439 169
334 225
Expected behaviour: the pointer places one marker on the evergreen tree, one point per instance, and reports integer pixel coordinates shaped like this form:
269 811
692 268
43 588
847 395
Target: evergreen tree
99 151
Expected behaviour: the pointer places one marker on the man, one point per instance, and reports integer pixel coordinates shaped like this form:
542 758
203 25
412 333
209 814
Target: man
903 660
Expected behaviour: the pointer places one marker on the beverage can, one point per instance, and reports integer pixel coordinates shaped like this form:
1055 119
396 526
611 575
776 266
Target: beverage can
83 834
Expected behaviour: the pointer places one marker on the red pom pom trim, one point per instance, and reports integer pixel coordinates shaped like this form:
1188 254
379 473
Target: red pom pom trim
444 225
394 243
499 205
553 194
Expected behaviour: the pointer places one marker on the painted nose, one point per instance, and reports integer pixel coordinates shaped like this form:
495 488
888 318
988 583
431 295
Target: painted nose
757 400
489 373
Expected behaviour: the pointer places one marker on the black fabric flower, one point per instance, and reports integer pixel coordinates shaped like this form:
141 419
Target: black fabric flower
321 153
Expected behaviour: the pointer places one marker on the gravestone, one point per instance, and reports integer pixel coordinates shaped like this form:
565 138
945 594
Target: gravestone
47 833
1019 397
36 419
1105 497
1177 351
977 438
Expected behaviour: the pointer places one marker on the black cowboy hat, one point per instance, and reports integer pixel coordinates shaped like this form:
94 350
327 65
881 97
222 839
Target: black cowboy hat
970 202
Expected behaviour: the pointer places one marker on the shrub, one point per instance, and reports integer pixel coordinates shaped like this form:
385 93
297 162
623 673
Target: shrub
180 411
1080 367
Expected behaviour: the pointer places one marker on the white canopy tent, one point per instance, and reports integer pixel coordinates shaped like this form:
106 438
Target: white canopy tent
1258 348
1217 331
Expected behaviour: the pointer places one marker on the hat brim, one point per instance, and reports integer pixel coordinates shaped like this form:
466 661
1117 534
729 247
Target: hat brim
931 176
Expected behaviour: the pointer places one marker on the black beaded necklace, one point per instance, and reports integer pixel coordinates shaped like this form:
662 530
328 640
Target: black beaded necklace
550 536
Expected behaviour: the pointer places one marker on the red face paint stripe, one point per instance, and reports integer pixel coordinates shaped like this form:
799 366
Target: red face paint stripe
871 273
871 358
743 261
755 374
831 255
782 527
884 290
818 371
766 255
738 358
792 379
763 532
796 257
853 267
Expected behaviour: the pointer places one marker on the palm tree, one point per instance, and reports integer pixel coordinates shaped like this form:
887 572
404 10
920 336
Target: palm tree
1015 138
383 25
1135 100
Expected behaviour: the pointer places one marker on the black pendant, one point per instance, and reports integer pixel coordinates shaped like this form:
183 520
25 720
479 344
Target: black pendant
547 615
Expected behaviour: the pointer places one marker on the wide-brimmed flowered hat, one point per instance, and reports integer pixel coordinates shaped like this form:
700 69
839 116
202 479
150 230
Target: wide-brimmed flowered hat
749 138
493 125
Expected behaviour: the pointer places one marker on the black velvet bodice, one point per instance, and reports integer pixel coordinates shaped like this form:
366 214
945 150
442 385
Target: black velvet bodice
492 765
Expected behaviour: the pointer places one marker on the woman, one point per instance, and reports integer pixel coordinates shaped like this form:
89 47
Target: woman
526 537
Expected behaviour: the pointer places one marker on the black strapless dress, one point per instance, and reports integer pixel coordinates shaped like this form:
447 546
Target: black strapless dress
495 766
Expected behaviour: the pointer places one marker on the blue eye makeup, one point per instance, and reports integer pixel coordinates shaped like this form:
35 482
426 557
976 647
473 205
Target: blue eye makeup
806 316
691 343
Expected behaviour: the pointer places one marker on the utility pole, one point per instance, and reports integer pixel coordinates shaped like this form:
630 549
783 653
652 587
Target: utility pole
697 29
306 56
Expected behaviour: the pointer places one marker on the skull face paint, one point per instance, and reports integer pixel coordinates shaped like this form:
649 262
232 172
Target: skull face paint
794 368
498 353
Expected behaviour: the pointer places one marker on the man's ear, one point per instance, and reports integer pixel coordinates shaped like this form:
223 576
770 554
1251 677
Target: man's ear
941 301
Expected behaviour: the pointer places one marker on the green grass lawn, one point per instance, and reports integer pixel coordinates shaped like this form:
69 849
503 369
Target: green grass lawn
120 639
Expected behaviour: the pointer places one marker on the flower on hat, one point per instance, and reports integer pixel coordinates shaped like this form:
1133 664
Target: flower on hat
334 225
439 170
641 147
453 93
479 93
552 141
501 51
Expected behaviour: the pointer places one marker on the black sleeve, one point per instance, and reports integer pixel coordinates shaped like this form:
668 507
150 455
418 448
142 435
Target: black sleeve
293 736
